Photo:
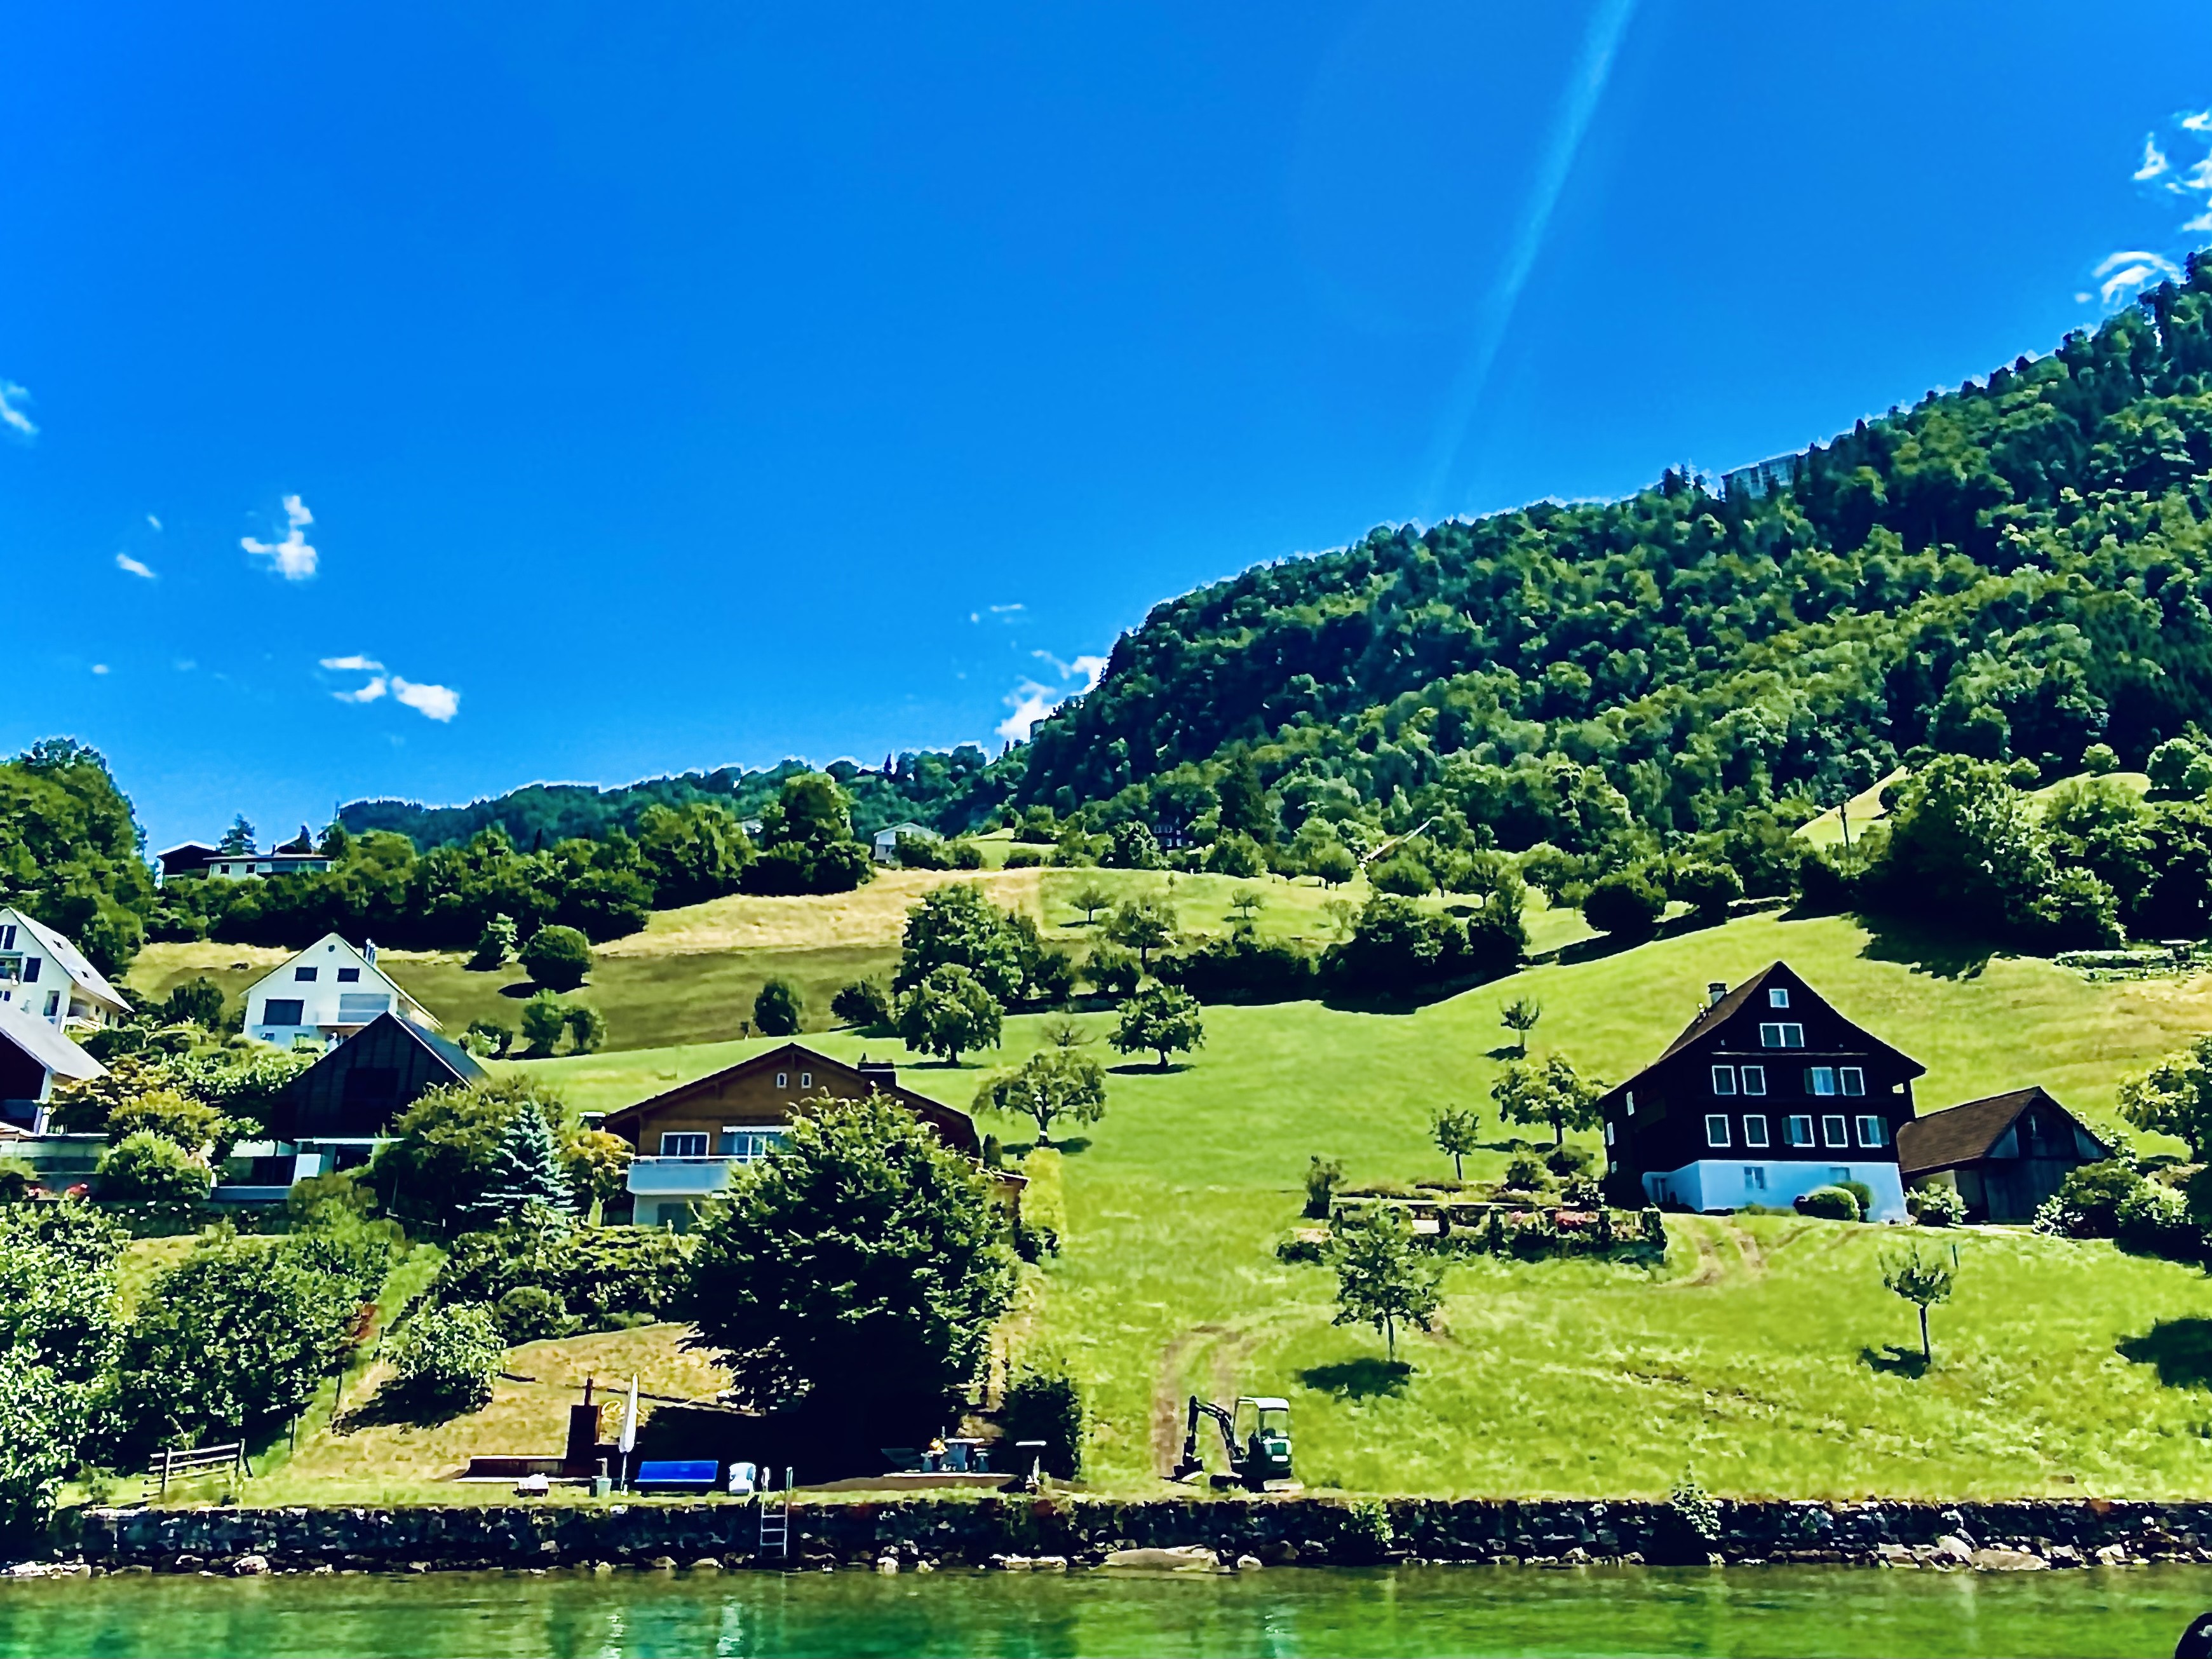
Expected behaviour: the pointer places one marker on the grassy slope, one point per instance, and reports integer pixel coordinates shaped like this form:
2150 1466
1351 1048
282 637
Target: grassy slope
1569 1378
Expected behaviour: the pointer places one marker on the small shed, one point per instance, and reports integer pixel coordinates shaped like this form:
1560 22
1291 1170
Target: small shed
2005 1153
354 1091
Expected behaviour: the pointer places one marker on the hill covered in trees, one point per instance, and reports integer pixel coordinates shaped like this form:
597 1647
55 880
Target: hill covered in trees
2015 569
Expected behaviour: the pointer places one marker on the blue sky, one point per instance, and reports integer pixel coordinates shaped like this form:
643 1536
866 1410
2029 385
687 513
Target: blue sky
422 400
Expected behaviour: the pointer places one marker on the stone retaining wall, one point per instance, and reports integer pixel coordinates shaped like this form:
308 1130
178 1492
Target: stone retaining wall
978 1532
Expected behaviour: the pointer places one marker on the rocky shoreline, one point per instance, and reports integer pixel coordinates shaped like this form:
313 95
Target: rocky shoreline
1059 1531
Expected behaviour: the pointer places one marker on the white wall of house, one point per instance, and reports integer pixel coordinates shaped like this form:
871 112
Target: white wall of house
253 866
324 994
1717 1183
46 976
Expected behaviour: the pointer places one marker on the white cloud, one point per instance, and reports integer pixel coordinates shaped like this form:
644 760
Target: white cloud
1028 703
368 692
356 664
438 701
1093 670
124 562
2122 274
155 522
99 668
295 558
1005 610
10 415
2154 160
2200 122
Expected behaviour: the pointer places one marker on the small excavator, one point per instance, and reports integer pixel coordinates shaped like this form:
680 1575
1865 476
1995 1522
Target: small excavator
1256 1435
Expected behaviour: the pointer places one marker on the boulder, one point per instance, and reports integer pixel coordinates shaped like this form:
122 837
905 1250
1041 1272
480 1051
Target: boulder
1180 1557
2004 1560
250 1567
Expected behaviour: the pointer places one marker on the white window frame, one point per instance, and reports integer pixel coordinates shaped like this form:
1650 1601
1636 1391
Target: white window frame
1850 1080
1805 1119
304 976
1717 1129
1723 1080
783 1080
681 1139
1754 1129
1881 1135
806 1079
1821 1081
1608 1132
1781 1034
1754 1080
1835 1129
1777 998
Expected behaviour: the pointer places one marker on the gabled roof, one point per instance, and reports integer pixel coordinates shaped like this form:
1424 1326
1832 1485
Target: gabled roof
1965 1132
72 961
455 1059
1715 1015
791 1056
198 847
47 1044
397 989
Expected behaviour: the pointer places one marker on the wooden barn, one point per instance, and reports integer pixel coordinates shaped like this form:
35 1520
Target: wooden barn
2005 1153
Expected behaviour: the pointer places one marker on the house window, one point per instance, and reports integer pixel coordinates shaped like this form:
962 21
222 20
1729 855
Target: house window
1754 1178
282 1011
1608 1132
1716 1133
806 1079
783 1080
1839 1174
1800 1132
348 975
1777 998
8 937
1781 1036
1629 1099
31 970
303 975
11 968
685 1145
53 1004
1820 1079
1832 1133
1853 1079
748 1145
1724 1080
1754 1080
1873 1132
1754 1130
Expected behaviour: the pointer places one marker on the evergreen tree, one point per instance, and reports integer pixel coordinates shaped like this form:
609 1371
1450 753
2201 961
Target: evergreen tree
526 1170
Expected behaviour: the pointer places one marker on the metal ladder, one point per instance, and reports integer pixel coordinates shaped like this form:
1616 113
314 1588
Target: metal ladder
776 1522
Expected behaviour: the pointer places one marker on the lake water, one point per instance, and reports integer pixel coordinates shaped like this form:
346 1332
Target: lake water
1294 1611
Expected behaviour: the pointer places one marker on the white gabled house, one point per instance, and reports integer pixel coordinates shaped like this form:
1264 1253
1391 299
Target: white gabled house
33 1054
886 840
47 977
324 996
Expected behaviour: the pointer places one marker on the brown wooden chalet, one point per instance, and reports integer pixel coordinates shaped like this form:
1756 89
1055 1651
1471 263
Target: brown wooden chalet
688 1137
2005 1153
1767 1094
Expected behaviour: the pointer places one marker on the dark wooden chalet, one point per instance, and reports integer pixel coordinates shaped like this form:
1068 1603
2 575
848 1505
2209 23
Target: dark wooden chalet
353 1092
2005 1154
1767 1094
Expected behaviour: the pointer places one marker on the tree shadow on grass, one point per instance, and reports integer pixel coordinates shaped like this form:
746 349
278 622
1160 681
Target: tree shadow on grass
1896 1361
1940 951
396 1404
1067 1148
1146 1068
2180 1348
1358 1379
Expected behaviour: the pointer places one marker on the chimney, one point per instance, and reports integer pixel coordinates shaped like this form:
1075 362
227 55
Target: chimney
878 1074
1714 990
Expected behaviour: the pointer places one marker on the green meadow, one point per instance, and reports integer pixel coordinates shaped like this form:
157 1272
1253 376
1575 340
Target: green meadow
1765 1355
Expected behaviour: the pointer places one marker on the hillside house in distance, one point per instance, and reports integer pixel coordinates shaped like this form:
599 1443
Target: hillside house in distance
33 1054
47 977
689 1138
189 857
324 996
297 856
1767 1094
2004 1154
885 841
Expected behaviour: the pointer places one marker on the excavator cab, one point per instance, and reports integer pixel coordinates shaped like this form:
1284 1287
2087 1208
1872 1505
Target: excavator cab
1263 1430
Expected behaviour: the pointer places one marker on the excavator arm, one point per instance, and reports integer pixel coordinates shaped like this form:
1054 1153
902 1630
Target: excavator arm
1192 1463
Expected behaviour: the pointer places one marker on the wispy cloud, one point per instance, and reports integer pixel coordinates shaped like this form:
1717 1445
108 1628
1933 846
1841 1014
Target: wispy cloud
124 562
99 668
1089 670
356 664
368 692
1578 103
1027 703
2200 122
2154 160
295 559
2122 274
12 398
1005 610
155 522
438 701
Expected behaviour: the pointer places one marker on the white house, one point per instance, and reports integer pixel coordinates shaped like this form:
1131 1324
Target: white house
33 1052
324 996
46 976
887 839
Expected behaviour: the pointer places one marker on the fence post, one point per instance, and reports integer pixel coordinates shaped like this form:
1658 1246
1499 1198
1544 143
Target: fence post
166 1456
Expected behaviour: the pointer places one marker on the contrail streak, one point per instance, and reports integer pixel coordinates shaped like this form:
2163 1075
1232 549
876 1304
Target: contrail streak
1585 89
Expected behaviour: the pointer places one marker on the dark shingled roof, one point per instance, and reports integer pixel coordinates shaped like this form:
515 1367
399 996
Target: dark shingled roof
1963 1134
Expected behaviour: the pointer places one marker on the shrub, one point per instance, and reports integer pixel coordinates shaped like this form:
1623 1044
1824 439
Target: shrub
449 1357
1709 889
2155 1219
16 1179
558 958
2177 766
1861 1195
164 1112
1052 978
1333 863
1113 971
1239 967
2100 758
1236 853
1045 1402
488 1038
530 1312
1626 904
1323 1177
2091 1196
601 1277
865 1003
494 945
779 1009
1565 1161
1937 1205
544 1017
196 1002
1523 1173
587 1028
145 1166
1829 1204
1403 873
2023 774
1023 858
1365 1532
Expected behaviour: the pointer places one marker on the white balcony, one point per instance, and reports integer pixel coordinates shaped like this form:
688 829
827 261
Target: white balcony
679 1177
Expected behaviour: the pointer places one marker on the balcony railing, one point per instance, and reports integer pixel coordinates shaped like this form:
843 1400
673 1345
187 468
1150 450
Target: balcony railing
679 1176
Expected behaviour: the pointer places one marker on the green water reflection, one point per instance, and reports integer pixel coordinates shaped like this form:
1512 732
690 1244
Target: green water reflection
1415 1612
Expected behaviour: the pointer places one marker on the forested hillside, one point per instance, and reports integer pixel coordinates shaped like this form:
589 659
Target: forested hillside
2017 568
